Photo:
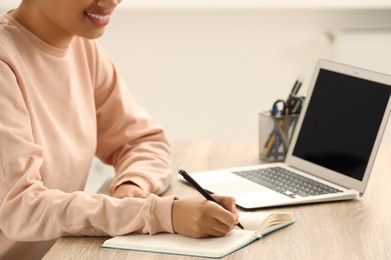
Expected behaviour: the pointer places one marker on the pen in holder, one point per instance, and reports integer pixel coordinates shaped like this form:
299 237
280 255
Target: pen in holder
275 135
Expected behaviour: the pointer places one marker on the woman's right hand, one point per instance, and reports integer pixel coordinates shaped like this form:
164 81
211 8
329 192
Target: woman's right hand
198 217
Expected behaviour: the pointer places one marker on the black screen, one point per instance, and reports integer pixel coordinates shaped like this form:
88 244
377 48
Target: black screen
342 122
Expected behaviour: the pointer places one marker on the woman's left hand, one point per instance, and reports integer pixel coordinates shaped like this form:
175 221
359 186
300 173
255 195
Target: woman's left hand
130 190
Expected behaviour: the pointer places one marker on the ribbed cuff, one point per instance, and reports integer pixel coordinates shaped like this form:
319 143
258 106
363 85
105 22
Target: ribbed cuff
161 214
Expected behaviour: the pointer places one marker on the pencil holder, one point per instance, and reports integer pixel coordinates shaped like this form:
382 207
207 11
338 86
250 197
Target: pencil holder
275 135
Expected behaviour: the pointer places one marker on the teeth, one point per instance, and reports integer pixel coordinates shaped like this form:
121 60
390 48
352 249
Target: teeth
100 17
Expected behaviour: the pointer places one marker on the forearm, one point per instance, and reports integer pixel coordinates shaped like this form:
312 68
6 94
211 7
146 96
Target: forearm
41 214
133 142
146 165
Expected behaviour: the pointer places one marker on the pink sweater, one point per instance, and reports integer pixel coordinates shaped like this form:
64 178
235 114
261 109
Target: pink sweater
58 109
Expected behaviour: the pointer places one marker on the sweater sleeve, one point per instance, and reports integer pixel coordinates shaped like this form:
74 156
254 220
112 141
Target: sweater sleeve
128 137
31 211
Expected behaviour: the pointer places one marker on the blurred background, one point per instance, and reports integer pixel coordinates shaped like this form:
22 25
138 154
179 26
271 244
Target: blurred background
205 68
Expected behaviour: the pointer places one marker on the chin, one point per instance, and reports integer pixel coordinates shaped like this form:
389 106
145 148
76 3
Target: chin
93 35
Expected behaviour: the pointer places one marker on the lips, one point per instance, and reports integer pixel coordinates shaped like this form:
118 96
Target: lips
98 19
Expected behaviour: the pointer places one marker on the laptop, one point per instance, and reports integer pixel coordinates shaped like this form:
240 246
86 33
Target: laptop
333 148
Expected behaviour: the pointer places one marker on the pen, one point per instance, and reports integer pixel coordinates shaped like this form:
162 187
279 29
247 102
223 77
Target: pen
204 193
296 87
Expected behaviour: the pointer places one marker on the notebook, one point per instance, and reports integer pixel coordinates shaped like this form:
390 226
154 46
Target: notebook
256 226
335 142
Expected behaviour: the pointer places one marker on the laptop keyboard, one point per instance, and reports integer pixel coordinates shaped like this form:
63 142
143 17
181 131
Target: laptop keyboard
286 182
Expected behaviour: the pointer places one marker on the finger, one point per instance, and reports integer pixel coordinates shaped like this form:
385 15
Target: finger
227 202
222 215
218 229
215 233
230 205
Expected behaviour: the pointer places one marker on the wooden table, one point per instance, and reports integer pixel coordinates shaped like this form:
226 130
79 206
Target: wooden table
358 229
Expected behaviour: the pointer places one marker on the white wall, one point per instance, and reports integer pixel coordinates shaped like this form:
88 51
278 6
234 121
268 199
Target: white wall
204 74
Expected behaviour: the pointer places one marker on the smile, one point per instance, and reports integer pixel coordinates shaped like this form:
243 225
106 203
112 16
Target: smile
99 20
99 17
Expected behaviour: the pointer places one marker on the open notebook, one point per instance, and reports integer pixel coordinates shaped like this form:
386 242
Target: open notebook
256 225
333 148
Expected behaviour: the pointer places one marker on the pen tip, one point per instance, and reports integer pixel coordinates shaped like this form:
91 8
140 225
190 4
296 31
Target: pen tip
240 225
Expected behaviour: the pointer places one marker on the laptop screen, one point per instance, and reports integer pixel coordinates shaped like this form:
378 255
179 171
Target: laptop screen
342 122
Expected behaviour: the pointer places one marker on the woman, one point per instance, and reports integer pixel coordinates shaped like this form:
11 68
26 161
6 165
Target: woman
62 102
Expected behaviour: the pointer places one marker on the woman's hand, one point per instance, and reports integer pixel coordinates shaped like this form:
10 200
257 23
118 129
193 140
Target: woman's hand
198 217
130 190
